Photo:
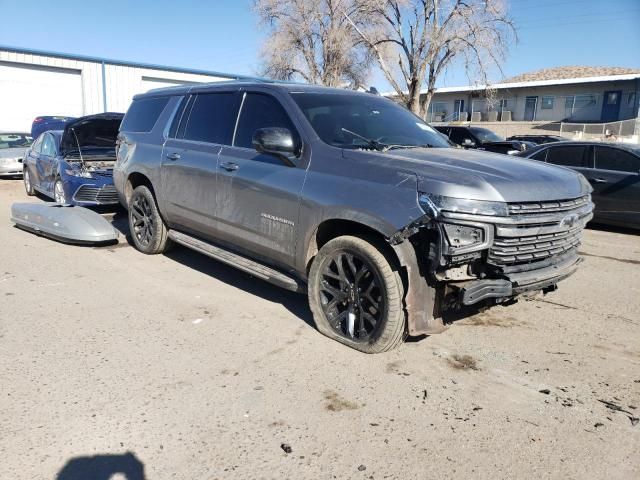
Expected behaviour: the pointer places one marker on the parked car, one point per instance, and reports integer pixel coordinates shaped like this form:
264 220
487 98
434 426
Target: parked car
43 123
12 147
538 139
483 139
75 165
348 197
613 169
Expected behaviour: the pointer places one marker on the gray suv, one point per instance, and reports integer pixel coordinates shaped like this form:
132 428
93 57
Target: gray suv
348 197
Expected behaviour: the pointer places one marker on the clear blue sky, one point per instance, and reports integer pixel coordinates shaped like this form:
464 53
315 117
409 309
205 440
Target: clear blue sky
223 35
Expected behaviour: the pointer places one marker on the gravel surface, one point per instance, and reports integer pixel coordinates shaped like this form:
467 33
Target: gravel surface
176 366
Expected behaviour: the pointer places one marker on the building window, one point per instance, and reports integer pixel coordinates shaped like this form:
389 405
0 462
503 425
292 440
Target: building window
631 101
547 103
583 101
568 102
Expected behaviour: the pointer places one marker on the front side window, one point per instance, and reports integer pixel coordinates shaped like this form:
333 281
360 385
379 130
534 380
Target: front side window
568 156
260 111
212 118
348 120
459 135
48 146
608 158
143 114
541 155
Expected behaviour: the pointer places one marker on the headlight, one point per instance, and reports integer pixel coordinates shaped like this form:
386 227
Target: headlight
434 204
461 236
78 173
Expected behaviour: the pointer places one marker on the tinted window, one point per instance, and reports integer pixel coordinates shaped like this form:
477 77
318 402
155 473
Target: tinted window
48 146
541 155
615 159
343 119
458 135
260 111
143 114
177 118
569 156
212 118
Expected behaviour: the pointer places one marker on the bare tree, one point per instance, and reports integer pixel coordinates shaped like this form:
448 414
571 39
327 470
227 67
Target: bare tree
314 40
414 41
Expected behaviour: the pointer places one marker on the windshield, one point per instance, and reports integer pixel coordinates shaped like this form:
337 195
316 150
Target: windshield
486 135
15 140
361 121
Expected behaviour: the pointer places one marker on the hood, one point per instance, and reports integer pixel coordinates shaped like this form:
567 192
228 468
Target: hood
479 175
92 132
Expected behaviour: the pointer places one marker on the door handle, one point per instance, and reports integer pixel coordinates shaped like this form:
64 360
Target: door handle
173 156
229 166
598 180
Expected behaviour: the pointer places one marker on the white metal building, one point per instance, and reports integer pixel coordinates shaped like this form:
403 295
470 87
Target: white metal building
34 83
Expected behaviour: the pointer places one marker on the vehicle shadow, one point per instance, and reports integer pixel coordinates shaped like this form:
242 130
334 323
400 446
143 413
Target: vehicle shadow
103 467
294 302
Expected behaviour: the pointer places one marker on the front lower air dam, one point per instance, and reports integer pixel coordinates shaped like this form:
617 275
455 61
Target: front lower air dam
64 223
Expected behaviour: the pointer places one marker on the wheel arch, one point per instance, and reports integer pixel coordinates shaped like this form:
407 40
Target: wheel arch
134 180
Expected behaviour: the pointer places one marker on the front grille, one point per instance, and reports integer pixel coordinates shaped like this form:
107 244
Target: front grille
547 207
101 195
542 230
102 173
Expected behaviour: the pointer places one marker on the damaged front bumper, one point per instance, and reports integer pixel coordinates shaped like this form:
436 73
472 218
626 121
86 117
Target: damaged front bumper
466 258
544 279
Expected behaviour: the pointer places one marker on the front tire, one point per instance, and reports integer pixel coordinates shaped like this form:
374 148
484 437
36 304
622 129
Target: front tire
148 230
355 295
28 186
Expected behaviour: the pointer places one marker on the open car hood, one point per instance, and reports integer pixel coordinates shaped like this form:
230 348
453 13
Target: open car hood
93 132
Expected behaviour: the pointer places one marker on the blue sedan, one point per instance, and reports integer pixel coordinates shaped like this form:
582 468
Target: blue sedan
75 165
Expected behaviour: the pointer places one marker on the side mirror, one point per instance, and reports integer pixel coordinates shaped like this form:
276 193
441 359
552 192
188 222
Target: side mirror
276 141
467 142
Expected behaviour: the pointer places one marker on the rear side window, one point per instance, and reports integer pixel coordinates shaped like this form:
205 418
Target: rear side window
260 111
569 156
212 118
615 159
143 114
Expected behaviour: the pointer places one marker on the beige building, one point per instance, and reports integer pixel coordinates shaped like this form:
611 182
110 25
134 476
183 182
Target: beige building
570 94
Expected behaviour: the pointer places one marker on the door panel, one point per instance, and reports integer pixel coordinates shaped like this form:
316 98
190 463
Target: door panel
530 105
258 203
616 185
188 179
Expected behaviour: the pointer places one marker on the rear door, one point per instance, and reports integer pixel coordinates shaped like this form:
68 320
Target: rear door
616 185
258 194
190 161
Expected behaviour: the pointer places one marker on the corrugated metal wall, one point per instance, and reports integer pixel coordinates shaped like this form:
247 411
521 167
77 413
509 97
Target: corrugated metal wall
122 82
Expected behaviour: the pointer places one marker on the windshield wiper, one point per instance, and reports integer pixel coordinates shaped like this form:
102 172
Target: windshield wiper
370 141
424 145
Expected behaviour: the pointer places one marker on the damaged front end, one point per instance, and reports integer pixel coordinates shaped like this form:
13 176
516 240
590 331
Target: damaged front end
471 252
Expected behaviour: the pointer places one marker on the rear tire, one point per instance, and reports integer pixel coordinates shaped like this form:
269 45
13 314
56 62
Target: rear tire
28 186
148 230
356 296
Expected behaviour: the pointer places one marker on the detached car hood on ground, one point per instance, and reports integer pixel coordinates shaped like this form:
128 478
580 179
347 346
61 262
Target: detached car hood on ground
481 175
93 131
